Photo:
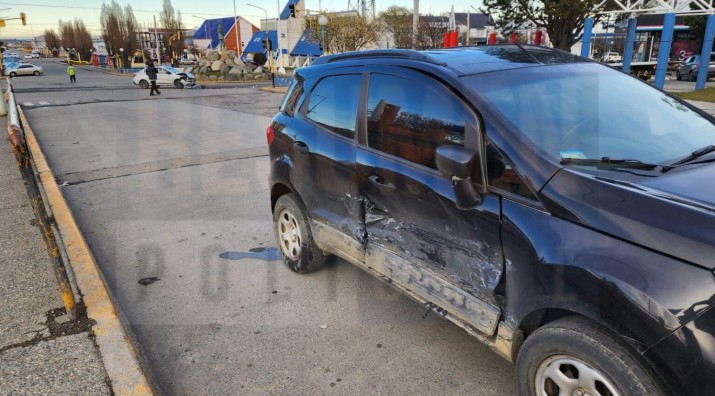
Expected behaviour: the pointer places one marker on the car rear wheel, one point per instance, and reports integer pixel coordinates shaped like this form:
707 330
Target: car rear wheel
144 84
574 356
178 84
294 237
13 74
678 76
37 73
692 76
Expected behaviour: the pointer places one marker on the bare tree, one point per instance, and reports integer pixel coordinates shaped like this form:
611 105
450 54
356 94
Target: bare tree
119 28
398 21
431 32
171 23
345 32
52 40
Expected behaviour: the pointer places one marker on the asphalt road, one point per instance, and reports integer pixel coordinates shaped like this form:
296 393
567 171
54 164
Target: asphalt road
162 186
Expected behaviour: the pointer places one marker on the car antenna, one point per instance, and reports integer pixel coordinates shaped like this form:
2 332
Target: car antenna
528 53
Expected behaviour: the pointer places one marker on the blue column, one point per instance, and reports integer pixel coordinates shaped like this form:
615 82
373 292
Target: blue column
666 38
630 39
705 55
586 40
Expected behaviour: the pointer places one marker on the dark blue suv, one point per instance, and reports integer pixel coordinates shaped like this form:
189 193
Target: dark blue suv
560 211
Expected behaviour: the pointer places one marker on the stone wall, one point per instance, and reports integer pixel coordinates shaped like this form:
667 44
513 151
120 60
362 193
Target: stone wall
226 66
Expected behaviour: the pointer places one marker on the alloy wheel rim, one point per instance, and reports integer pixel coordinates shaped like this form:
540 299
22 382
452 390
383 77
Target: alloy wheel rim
563 375
289 235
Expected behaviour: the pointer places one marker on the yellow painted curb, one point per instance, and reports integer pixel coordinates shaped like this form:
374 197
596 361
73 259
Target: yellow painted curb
119 355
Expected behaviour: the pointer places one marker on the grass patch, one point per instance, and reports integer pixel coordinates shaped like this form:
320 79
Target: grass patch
703 95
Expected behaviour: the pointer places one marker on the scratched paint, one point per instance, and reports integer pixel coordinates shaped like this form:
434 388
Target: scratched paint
265 254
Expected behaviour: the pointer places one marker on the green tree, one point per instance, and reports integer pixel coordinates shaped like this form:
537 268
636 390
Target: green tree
562 19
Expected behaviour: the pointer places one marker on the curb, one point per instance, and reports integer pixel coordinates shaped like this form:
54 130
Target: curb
120 357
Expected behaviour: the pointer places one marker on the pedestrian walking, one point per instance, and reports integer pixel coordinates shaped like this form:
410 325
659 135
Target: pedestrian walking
72 73
151 72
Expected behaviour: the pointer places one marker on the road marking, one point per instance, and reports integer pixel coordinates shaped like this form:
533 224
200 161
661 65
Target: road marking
43 103
28 104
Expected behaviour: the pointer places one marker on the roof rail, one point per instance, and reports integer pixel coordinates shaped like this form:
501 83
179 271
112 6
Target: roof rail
386 53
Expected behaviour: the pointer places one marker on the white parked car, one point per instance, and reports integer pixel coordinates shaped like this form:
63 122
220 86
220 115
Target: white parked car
166 75
612 57
26 69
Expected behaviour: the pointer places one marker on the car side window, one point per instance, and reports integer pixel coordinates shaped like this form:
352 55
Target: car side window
291 99
501 174
333 103
410 119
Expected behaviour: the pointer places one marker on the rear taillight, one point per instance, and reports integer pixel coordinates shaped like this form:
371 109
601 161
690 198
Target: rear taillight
270 134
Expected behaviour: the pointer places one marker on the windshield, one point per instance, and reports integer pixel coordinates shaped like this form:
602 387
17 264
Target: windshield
590 111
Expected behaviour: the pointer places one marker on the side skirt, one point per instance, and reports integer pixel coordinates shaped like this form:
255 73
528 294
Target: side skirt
476 317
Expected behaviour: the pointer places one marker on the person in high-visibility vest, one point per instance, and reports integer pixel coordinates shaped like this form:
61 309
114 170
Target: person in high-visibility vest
71 71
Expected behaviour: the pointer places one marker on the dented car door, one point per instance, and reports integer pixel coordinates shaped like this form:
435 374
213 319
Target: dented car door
415 234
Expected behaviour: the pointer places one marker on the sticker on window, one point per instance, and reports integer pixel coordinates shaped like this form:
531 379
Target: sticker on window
573 154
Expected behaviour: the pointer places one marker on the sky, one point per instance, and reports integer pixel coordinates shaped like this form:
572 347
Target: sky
45 14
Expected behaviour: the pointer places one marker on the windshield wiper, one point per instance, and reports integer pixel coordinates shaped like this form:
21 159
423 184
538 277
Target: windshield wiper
692 157
613 162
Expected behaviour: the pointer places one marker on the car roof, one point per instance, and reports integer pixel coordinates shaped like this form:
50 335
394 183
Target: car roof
464 60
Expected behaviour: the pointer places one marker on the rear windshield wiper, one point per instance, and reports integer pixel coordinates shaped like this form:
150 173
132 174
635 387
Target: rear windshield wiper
692 157
607 161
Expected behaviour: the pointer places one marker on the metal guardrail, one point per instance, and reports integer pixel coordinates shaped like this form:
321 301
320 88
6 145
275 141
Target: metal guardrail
34 191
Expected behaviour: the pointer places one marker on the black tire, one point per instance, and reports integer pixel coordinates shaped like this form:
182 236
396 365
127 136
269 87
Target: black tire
178 84
678 76
144 84
692 76
13 74
36 73
589 346
300 253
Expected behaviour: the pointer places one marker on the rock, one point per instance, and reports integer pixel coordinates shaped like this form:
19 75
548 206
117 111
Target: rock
247 69
189 70
213 56
259 70
202 69
235 70
204 63
258 77
213 78
217 65
232 77
238 62
231 54
229 62
221 78
225 69
202 77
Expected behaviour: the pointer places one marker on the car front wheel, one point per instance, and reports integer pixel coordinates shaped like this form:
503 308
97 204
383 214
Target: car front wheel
574 356
13 74
294 237
143 84
36 73
178 84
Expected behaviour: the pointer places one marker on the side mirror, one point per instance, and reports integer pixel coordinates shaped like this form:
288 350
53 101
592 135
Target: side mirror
457 163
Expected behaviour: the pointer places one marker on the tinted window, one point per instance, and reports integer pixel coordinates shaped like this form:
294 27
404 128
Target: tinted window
333 103
291 99
502 175
410 120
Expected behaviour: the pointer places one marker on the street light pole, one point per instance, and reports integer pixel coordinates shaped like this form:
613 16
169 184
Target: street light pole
322 21
235 28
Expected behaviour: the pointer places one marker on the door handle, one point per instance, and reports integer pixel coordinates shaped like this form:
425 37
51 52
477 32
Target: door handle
300 147
380 183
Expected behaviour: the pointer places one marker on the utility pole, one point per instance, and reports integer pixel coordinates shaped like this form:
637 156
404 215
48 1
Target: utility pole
156 39
415 23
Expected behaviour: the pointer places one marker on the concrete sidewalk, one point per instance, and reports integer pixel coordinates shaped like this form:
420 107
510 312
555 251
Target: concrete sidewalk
41 351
